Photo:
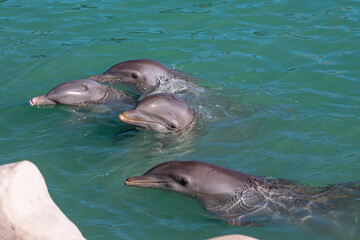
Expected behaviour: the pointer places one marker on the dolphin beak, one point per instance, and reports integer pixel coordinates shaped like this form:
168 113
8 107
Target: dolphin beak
31 102
41 100
145 182
130 116
123 118
139 119
133 117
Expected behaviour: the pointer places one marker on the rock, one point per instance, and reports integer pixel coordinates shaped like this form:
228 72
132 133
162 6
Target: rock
26 209
233 237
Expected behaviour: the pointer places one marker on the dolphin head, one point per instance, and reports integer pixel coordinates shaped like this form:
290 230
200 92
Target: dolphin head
142 74
161 112
72 93
192 177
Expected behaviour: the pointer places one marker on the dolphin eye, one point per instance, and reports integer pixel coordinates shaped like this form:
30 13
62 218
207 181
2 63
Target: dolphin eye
172 126
183 181
135 75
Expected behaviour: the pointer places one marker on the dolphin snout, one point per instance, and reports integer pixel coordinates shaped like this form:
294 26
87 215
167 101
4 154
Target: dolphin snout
41 100
36 101
31 102
145 181
130 116
122 117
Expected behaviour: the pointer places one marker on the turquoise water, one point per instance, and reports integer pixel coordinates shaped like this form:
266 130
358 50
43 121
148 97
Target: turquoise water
282 101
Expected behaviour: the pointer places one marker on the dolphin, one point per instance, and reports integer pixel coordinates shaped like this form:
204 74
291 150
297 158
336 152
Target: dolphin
240 198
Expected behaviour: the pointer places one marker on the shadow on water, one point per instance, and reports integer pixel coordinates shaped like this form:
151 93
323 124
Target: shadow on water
124 132
153 145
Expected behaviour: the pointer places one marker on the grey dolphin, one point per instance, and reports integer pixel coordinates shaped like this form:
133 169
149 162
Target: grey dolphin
240 197
142 74
161 112
76 92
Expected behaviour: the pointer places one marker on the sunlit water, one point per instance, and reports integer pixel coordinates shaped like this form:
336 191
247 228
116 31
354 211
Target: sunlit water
281 100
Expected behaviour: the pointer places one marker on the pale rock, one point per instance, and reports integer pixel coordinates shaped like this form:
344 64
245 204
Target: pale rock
27 211
233 237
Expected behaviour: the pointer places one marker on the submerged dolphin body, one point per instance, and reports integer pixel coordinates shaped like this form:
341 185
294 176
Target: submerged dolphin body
240 198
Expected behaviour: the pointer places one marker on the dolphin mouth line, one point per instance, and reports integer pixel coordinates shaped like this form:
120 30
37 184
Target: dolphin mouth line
129 120
139 183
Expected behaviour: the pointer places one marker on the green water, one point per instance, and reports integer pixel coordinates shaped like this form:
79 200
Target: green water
282 101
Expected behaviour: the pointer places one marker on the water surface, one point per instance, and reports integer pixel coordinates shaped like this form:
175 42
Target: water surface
283 102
